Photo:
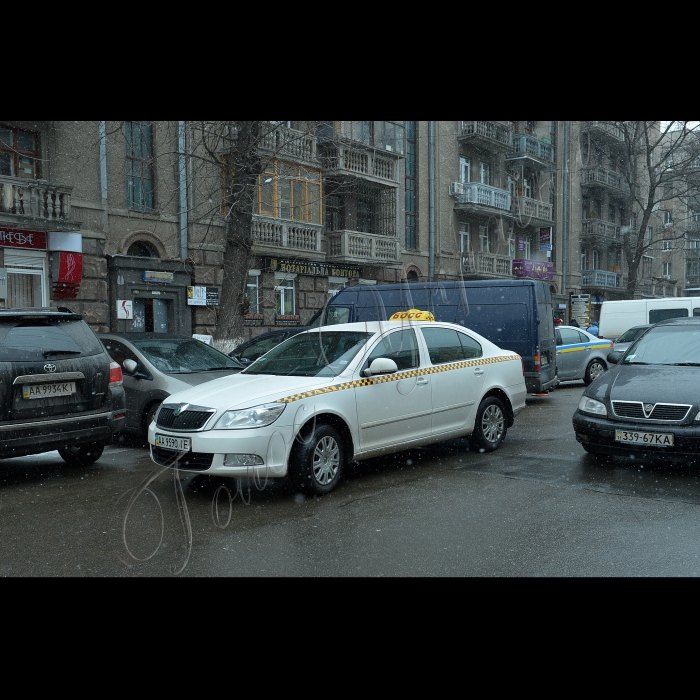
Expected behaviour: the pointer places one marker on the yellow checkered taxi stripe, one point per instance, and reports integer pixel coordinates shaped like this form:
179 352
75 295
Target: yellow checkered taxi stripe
397 377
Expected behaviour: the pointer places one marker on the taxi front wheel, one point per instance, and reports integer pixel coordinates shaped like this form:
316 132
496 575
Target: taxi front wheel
318 460
490 425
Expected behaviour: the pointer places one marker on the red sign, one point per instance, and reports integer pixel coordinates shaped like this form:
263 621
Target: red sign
70 267
14 238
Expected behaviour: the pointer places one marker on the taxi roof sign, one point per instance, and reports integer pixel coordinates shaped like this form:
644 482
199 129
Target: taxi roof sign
412 315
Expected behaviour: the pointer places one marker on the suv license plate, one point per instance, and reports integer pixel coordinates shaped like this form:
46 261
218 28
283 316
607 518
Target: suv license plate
173 443
630 436
42 391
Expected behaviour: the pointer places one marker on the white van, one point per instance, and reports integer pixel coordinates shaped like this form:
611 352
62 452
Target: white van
618 316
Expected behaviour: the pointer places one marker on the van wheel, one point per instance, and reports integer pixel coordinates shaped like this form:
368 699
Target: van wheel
593 371
317 461
490 425
81 455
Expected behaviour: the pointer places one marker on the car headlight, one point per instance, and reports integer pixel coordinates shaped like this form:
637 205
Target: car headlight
256 417
587 405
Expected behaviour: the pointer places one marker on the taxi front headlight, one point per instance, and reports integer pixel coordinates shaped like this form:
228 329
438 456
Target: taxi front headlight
256 417
587 405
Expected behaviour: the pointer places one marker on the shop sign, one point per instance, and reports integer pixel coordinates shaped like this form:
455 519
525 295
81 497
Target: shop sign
309 267
538 269
14 238
125 309
202 296
156 276
287 320
546 238
69 267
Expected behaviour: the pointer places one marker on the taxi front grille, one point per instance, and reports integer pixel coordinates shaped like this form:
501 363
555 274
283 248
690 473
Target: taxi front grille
660 411
187 420
192 461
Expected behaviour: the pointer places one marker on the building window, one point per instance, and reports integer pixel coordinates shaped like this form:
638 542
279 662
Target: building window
668 218
388 136
464 237
335 284
411 187
290 191
667 245
139 165
650 233
695 215
285 303
19 153
694 243
667 269
253 292
142 249
485 174
464 170
646 267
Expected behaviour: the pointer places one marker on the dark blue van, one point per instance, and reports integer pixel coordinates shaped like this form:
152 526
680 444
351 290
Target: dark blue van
516 315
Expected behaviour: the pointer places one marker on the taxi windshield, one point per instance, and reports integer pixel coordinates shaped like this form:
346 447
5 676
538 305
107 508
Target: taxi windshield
319 354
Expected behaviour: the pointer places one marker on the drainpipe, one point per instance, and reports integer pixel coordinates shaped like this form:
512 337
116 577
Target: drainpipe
565 210
182 168
102 133
431 188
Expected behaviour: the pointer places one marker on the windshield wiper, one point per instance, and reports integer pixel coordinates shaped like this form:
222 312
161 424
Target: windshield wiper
686 364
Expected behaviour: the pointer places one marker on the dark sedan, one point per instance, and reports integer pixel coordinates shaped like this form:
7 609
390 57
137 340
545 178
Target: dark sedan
647 404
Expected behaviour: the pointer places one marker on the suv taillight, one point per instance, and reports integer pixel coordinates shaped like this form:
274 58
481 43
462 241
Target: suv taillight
115 374
537 360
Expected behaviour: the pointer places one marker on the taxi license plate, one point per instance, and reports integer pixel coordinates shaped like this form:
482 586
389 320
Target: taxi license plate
42 391
173 443
635 438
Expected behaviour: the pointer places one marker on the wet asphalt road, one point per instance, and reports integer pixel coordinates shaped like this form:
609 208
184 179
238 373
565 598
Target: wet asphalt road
537 507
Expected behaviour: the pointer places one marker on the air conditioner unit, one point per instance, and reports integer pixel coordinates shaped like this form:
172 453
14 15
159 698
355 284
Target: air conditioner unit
457 189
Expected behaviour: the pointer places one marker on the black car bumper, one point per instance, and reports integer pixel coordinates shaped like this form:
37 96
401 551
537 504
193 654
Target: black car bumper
598 435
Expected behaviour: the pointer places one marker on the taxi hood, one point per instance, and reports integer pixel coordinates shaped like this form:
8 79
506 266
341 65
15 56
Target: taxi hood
246 390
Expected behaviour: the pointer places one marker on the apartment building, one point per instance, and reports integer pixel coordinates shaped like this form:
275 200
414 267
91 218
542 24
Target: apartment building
124 221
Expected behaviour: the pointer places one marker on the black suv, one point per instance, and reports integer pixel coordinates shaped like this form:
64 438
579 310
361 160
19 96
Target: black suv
59 389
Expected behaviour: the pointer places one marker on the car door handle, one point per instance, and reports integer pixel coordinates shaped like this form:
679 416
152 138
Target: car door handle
478 371
422 381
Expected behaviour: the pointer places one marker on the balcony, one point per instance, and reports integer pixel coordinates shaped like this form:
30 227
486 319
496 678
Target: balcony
532 211
487 264
357 247
286 235
491 135
368 163
475 196
603 230
284 142
606 131
37 201
535 153
600 279
605 179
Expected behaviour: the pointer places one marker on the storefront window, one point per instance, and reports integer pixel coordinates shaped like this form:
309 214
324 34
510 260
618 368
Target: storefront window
284 295
253 292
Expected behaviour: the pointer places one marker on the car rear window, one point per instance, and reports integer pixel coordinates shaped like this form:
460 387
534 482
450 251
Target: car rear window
36 339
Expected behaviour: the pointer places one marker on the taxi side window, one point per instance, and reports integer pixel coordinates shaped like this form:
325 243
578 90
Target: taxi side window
569 336
401 347
447 345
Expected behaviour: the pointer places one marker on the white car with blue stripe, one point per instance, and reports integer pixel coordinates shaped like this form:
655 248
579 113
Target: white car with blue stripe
580 355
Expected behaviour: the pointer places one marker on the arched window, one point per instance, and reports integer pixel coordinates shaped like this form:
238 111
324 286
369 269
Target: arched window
142 249
412 276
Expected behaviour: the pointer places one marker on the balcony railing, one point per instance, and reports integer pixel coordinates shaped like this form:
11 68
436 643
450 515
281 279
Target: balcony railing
493 133
487 264
605 129
354 246
484 195
37 199
604 229
601 176
283 141
527 208
291 235
379 166
600 278
525 145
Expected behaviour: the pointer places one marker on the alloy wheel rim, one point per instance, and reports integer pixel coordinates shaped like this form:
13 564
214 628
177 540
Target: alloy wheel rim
596 370
492 423
326 461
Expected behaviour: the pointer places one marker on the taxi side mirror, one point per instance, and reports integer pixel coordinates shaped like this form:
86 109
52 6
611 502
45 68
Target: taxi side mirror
382 365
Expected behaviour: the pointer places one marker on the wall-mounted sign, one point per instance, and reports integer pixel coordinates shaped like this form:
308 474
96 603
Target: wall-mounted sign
538 269
155 276
546 238
14 238
309 267
67 271
202 296
3 283
125 309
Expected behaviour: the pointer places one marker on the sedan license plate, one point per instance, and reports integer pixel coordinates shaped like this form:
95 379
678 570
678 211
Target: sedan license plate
635 438
173 443
43 391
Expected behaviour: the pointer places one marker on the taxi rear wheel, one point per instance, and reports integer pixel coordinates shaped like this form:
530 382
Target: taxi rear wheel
593 371
490 425
318 460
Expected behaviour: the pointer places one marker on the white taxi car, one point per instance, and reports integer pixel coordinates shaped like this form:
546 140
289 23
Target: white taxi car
339 393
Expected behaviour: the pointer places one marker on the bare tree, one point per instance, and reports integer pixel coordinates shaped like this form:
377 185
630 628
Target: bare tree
655 161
